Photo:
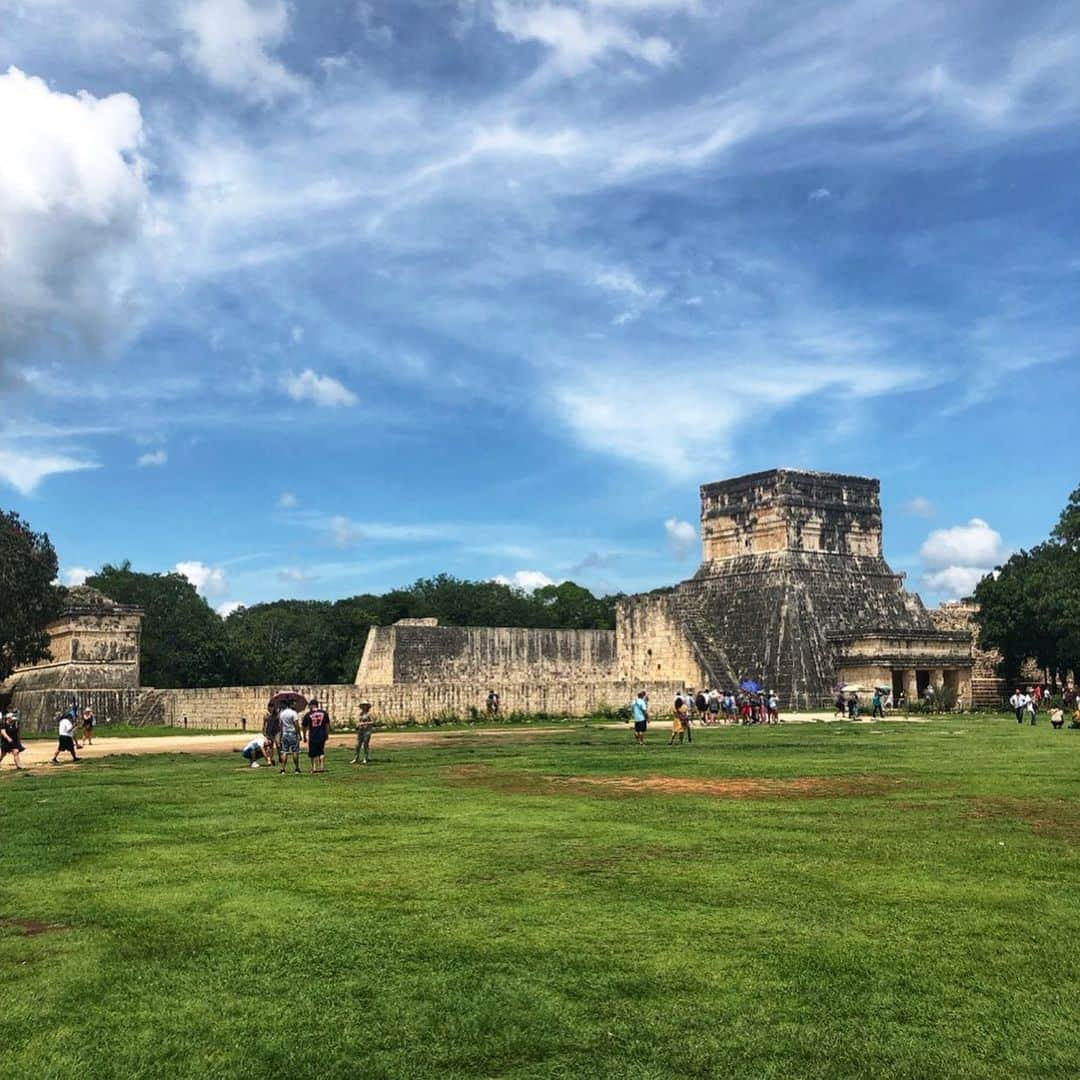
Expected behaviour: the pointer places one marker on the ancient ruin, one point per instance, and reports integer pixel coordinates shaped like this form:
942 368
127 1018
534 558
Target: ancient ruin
793 591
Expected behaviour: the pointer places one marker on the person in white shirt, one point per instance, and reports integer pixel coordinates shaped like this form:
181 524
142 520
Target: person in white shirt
67 738
1019 702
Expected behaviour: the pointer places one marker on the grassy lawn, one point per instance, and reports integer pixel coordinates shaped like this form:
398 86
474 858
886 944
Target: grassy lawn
895 900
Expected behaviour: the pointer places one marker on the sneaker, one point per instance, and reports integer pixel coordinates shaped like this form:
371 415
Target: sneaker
254 764
282 772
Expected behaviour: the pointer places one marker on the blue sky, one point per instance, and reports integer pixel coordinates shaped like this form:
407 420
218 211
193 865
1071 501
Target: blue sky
315 299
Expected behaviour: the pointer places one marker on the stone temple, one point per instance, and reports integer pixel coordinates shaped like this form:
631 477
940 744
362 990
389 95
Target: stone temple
793 591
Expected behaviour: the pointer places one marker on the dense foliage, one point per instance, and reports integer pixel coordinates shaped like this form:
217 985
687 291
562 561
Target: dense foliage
183 638
1031 606
28 598
319 641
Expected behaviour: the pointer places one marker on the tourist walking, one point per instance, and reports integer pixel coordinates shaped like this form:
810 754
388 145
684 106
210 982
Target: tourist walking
66 733
288 736
877 704
714 706
316 725
365 725
841 704
853 706
773 707
1019 703
701 704
1030 709
10 740
678 720
639 713
88 721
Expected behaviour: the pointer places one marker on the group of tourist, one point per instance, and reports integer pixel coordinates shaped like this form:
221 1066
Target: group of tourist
1026 705
284 731
707 707
67 739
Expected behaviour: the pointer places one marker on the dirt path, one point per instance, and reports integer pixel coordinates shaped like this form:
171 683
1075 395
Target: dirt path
39 751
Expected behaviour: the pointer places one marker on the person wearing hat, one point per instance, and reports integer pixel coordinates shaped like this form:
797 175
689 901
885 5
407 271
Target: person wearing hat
88 720
316 726
365 725
10 742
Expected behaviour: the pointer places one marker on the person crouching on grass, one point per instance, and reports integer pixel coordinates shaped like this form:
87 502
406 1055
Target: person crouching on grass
66 731
259 747
316 726
365 725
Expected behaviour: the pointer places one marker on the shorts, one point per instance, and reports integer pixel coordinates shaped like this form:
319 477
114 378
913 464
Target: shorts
316 747
290 744
66 743
641 725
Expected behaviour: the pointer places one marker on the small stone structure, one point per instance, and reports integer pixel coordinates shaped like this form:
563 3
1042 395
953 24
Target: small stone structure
94 659
793 590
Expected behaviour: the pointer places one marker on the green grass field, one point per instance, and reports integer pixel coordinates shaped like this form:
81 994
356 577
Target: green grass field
821 900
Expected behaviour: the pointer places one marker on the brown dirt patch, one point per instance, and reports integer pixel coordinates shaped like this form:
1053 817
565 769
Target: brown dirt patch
801 787
32 927
1057 818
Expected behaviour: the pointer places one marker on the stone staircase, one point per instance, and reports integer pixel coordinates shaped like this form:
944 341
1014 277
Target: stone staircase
150 710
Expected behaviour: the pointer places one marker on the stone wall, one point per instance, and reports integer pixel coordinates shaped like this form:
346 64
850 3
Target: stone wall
651 644
422 652
38 709
223 708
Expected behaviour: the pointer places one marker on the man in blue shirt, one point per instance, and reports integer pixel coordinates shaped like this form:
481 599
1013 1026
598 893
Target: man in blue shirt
639 712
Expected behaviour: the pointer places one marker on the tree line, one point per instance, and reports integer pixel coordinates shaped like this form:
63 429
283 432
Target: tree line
186 643
1030 606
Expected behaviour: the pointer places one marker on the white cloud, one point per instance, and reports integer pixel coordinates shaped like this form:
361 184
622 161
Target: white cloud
973 544
577 39
209 581
957 558
343 533
682 537
919 507
153 457
73 210
231 44
24 471
75 575
322 390
226 609
818 194
293 575
529 580
955 582
287 500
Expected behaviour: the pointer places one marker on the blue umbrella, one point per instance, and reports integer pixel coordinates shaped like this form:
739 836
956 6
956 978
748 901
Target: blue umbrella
751 686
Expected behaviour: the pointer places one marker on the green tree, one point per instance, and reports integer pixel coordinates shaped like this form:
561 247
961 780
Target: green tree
1030 606
184 643
28 598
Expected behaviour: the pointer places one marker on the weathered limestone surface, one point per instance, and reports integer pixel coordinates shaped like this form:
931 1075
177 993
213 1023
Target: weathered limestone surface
222 708
93 645
793 560
424 652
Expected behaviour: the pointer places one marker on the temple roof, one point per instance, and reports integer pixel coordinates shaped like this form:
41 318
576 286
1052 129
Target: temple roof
83 600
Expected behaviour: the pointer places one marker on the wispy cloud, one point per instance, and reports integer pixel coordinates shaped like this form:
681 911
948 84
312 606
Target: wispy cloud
25 471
